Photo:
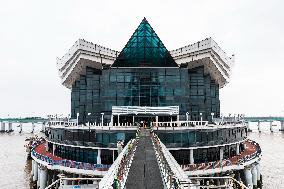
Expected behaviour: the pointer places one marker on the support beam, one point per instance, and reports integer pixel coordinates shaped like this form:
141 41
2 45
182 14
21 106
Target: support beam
238 149
43 177
191 160
282 126
99 160
2 127
254 177
271 129
221 153
35 175
248 177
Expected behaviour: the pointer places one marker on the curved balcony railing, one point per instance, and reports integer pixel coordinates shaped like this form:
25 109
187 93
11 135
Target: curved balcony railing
57 161
253 151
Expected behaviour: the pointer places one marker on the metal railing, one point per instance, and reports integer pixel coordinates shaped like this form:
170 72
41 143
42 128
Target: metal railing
118 172
172 174
60 182
225 182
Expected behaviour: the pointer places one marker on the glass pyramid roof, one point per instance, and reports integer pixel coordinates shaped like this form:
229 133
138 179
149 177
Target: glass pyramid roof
144 49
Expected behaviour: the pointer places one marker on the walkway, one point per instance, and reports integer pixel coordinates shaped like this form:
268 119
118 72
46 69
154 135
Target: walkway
144 172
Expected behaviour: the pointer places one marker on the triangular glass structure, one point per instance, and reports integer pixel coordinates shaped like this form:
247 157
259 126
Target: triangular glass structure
144 49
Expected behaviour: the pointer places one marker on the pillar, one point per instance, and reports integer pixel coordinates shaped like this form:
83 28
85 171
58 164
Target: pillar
43 177
282 126
33 127
271 129
53 149
157 120
258 126
46 146
221 153
259 185
133 119
10 127
38 176
191 160
42 127
254 177
111 120
2 127
35 167
21 127
118 124
238 149
99 160
248 177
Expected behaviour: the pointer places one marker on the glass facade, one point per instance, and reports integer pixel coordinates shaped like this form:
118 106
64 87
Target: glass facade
99 90
201 137
91 138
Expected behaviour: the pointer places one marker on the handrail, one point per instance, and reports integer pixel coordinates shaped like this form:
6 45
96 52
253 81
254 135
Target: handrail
68 179
171 172
118 172
234 182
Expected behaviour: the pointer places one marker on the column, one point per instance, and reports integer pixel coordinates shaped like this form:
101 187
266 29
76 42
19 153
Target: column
238 149
99 160
191 160
35 175
271 129
10 127
21 127
43 177
221 153
133 119
38 176
118 124
2 127
46 146
254 177
111 120
33 127
282 125
157 120
53 149
258 126
259 185
248 177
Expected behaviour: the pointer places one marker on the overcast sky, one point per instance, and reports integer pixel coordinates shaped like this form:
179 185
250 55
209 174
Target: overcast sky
34 33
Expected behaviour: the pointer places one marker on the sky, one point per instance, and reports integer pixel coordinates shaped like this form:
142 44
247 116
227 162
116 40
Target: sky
34 33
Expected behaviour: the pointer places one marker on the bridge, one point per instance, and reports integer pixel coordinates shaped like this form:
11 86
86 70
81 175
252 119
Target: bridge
24 120
264 119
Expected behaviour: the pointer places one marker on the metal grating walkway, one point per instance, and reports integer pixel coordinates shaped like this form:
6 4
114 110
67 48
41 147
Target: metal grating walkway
144 172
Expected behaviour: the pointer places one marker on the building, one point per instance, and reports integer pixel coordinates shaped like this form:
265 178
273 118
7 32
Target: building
176 93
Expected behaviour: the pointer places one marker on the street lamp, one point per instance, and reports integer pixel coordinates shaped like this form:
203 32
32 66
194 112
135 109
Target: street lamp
212 114
88 119
78 119
102 118
187 118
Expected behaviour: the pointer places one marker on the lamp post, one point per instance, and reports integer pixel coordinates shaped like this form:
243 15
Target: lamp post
187 118
212 114
78 119
88 119
68 118
102 118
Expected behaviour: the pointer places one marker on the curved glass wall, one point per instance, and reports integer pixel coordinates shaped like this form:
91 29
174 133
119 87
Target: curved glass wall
98 138
198 137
